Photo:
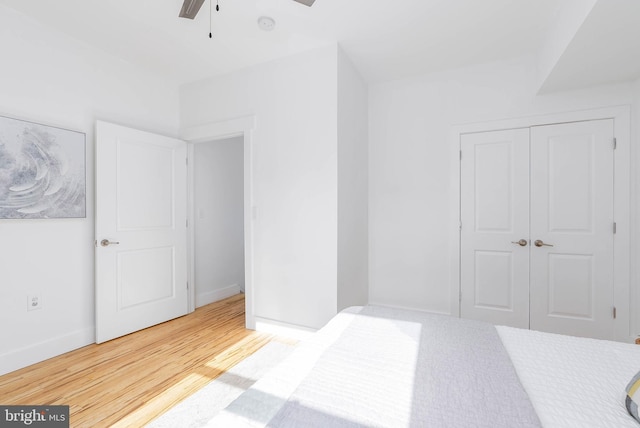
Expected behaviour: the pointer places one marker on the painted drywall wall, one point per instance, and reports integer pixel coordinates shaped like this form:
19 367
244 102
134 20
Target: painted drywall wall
294 100
570 16
410 166
353 241
49 78
595 55
635 212
219 219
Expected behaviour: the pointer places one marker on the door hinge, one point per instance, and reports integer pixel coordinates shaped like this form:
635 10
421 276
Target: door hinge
460 154
460 226
615 227
186 161
614 312
615 143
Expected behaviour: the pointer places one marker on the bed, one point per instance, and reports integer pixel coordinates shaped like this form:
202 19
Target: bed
376 366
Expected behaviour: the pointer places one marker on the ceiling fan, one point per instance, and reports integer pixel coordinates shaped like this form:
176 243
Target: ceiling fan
190 8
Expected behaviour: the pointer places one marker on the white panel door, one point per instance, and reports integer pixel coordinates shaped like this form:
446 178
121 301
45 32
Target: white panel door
141 262
495 218
572 214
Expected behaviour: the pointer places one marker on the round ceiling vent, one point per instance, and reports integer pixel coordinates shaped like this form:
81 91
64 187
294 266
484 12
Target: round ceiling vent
266 23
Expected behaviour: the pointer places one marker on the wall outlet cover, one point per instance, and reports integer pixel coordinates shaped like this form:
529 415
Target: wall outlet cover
34 301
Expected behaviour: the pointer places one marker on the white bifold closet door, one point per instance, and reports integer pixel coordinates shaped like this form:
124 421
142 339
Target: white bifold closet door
537 228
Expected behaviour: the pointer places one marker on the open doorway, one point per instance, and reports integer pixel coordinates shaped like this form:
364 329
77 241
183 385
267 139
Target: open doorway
218 203
241 127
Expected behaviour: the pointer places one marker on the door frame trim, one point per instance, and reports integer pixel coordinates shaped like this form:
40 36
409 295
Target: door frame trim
215 131
624 297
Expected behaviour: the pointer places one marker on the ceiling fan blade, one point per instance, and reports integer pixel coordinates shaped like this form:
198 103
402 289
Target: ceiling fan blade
306 2
190 8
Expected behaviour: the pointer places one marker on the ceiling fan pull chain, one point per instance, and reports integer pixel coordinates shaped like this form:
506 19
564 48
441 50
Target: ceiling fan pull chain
217 6
210 35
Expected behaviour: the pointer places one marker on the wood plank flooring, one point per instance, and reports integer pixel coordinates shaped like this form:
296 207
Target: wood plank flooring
129 381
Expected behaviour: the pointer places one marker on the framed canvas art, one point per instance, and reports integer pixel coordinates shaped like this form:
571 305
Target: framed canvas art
42 171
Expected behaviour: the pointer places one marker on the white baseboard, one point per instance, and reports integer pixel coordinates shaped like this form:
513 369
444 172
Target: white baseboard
408 308
278 328
23 357
215 295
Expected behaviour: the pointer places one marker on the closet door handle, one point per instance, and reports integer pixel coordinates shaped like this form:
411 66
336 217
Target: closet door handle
539 243
106 243
522 242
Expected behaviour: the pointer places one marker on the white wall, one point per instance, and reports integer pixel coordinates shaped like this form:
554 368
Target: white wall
219 219
410 165
294 100
49 78
570 16
635 211
353 241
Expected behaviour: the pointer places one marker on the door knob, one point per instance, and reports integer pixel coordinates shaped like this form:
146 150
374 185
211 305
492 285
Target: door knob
106 243
522 242
539 243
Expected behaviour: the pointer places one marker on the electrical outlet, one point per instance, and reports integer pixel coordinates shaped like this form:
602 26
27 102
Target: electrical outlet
34 301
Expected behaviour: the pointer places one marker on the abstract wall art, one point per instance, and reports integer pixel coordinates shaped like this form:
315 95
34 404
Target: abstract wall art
42 171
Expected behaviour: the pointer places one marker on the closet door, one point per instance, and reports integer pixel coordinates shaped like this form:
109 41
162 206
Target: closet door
572 228
495 227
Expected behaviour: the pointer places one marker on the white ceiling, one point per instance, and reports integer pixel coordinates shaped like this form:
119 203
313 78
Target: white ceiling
385 39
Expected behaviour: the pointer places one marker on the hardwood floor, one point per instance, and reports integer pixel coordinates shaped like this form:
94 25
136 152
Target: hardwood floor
129 381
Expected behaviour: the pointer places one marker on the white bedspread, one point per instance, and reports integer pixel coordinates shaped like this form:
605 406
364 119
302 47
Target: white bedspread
398 368
264 399
571 382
